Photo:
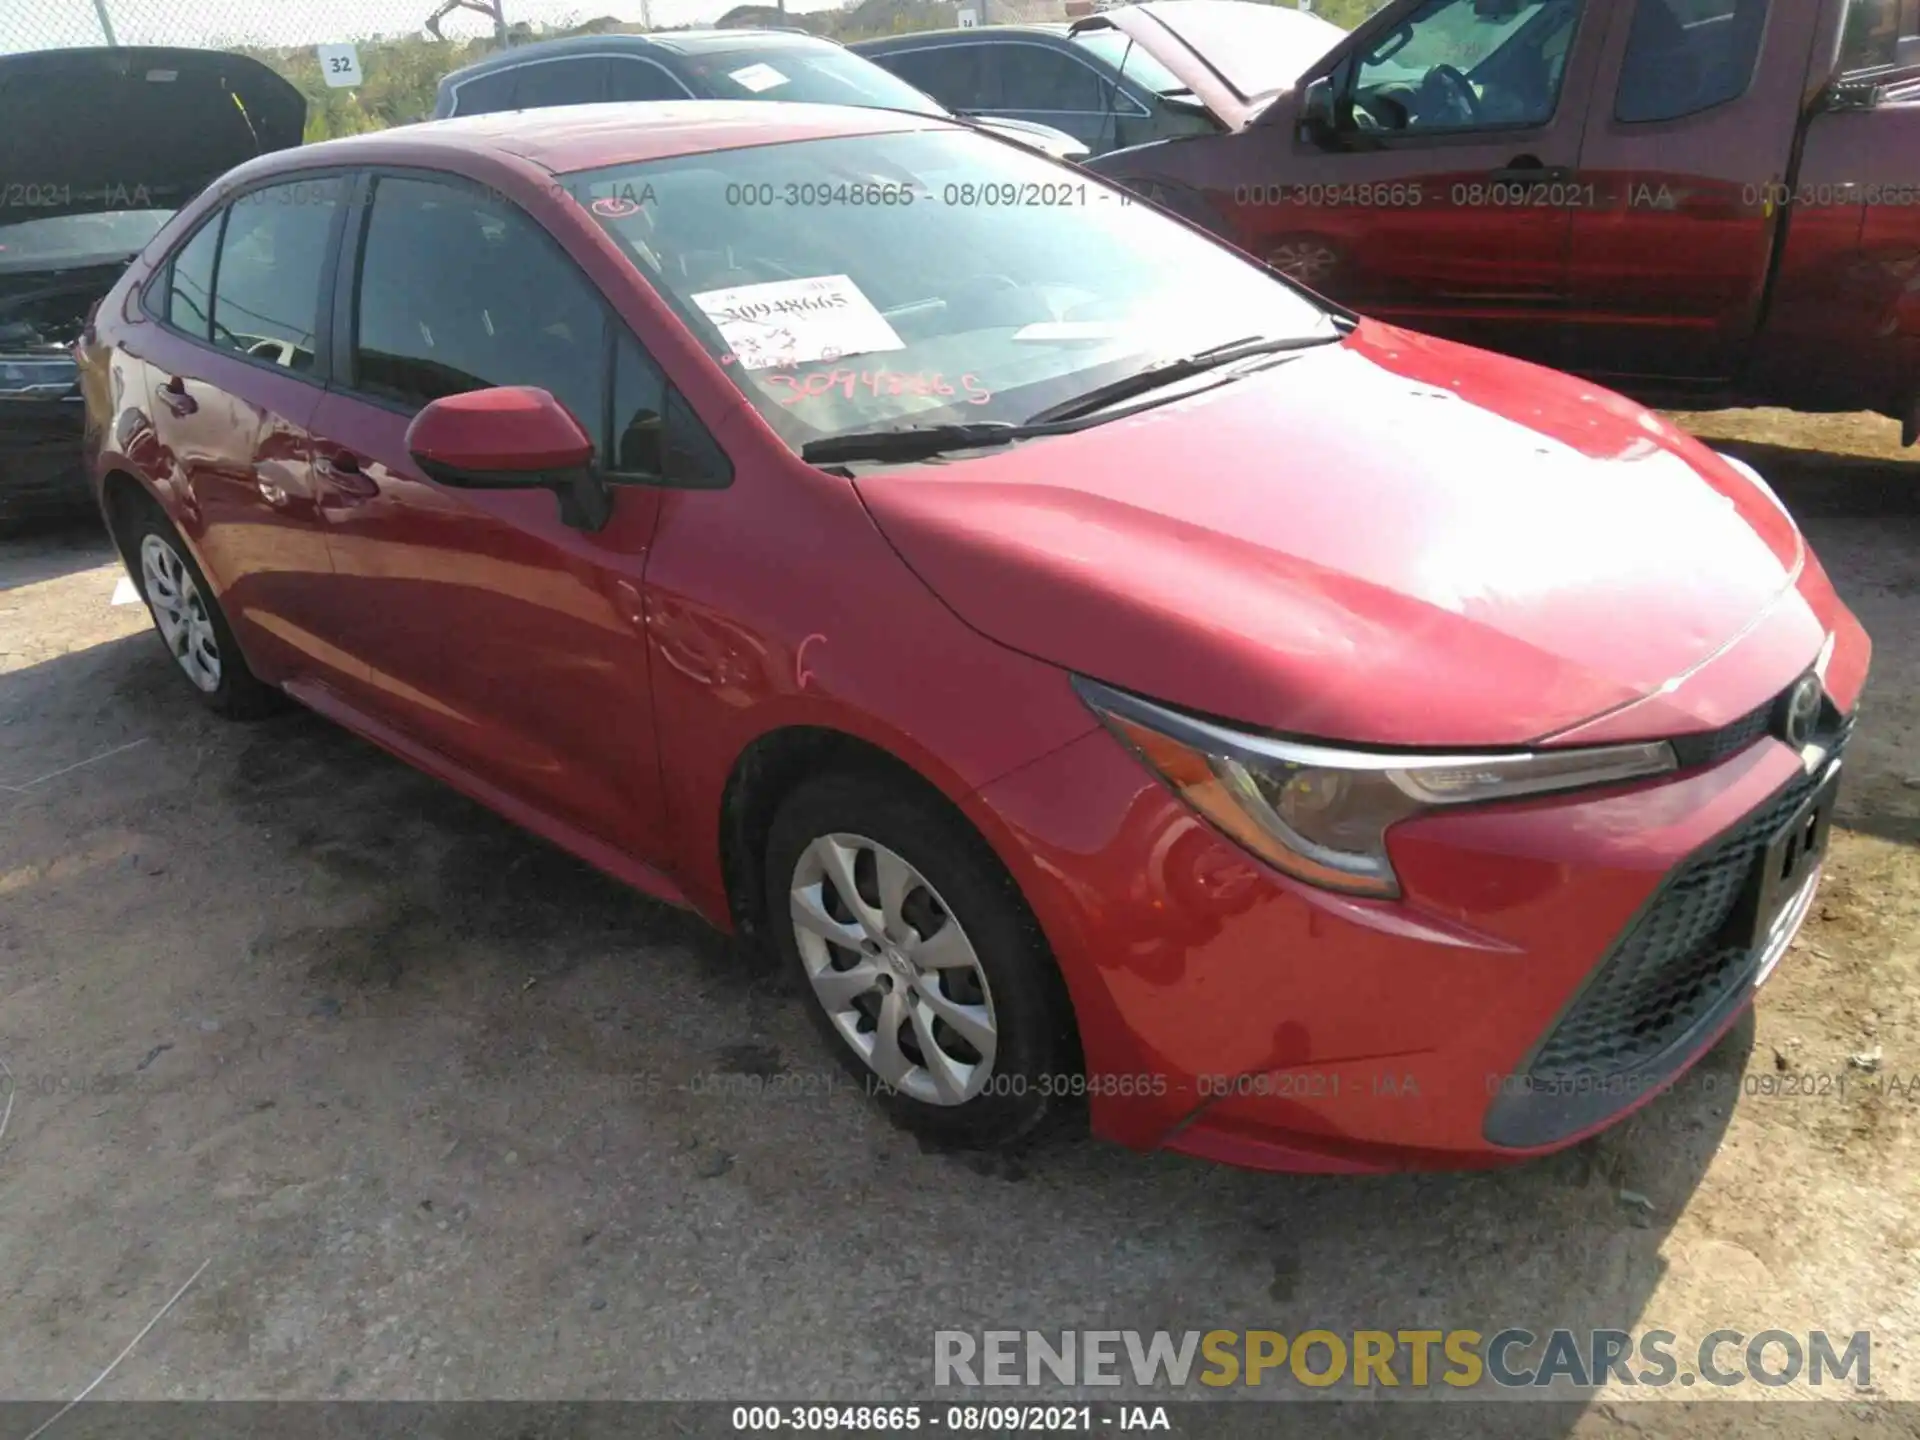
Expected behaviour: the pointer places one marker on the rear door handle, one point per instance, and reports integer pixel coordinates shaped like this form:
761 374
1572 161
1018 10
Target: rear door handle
174 396
341 469
1530 170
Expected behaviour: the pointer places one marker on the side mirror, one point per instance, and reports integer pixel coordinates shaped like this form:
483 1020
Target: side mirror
512 437
1316 118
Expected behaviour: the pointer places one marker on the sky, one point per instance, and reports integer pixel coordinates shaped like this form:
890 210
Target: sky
41 24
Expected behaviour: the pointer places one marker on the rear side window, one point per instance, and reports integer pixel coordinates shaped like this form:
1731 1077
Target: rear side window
273 258
459 291
484 94
1880 34
190 292
1686 56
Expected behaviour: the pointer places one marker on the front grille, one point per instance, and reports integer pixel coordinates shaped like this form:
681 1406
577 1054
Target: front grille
1694 751
1673 965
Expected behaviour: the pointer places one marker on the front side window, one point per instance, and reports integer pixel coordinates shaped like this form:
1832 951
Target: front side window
822 75
1466 65
636 79
190 289
924 277
950 73
1033 77
459 291
272 271
1880 34
558 82
655 432
1683 58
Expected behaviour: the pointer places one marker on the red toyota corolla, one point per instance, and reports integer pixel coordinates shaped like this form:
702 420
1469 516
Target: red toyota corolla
1096 667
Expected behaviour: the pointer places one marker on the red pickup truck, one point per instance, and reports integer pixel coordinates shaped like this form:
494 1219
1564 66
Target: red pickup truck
1699 202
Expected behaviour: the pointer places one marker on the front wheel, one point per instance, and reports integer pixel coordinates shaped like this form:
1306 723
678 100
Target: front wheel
918 962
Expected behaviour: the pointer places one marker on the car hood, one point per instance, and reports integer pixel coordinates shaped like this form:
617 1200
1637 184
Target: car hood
135 128
1174 33
1044 138
1394 540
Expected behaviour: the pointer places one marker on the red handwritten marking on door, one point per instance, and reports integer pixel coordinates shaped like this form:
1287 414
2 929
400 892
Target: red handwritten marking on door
878 382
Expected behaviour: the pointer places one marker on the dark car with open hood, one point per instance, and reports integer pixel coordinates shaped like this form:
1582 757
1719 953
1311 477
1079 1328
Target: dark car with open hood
83 187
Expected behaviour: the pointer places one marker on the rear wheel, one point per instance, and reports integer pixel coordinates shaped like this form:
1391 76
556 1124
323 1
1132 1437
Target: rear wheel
918 962
191 624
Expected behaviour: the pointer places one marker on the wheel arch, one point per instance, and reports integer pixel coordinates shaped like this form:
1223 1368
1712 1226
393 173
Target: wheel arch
122 494
777 761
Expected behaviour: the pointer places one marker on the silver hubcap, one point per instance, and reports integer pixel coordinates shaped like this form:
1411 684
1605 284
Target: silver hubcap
1304 261
894 969
180 612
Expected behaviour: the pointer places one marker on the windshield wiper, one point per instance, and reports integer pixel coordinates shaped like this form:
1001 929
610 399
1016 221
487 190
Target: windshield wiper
914 442
1167 372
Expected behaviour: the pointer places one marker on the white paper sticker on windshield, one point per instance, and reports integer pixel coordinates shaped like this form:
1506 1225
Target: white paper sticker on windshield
795 322
757 77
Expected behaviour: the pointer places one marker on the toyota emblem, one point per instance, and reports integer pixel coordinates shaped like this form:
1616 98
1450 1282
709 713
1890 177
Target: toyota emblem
1802 712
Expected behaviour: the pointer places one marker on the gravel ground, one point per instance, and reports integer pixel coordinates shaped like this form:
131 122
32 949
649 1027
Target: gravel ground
433 1111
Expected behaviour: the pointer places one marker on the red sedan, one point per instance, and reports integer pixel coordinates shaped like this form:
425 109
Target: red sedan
1099 669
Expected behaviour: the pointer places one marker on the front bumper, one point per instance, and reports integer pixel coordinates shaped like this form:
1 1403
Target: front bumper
1229 1012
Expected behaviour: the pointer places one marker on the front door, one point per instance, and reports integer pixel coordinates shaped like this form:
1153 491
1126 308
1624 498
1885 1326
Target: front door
1688 158
490 632
1444 197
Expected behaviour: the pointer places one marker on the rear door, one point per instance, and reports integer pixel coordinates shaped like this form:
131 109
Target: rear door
1689 158
235 371
1445 198
487 630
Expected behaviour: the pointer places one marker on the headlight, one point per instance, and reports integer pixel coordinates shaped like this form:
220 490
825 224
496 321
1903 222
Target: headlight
1322 814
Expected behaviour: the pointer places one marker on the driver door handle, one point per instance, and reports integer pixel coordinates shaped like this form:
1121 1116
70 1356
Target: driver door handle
341 470
1531 170
174 396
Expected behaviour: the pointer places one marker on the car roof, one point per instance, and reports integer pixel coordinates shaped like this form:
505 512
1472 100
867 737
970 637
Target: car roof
969 36
679 42
565 138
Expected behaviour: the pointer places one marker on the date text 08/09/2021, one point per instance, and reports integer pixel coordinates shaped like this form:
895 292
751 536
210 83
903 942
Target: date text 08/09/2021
958 1419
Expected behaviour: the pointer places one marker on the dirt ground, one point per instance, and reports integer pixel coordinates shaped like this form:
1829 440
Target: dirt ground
425 1109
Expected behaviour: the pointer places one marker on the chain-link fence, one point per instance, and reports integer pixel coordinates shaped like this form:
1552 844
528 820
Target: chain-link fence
405 46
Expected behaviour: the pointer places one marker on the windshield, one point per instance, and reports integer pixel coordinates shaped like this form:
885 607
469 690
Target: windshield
1128 57
110 235
823 75
927 277
1257 49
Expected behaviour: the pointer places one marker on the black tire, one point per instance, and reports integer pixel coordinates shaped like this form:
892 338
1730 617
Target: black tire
240 694
1030 1079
